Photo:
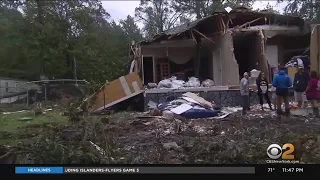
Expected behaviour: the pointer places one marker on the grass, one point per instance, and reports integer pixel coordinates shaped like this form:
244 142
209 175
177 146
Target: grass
11 129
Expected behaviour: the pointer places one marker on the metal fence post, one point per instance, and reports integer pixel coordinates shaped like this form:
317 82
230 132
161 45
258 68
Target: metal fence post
27 96
45 92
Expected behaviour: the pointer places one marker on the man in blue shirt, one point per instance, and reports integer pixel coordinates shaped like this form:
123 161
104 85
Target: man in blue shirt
282 82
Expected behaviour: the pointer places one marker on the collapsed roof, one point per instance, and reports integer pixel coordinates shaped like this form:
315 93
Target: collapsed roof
235 18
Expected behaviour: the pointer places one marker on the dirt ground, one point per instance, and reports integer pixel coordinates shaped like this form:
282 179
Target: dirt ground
126 137
235 139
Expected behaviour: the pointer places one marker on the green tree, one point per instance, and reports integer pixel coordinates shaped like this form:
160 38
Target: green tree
157 16
49 36
131 29
199 9
308 9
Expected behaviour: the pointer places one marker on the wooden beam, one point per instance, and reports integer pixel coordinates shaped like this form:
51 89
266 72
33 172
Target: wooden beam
197 62
247 23
203 35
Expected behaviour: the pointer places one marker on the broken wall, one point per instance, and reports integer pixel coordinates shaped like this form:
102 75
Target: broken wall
178 55
181 55
229 71
289 46
280 51
272 54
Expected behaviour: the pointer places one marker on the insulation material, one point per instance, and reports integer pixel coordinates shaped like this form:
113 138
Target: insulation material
117 91
132 67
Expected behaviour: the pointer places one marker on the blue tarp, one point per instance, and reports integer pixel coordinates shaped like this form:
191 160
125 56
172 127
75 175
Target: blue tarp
199 113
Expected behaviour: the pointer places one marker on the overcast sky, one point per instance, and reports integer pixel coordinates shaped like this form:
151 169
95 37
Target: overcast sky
121 9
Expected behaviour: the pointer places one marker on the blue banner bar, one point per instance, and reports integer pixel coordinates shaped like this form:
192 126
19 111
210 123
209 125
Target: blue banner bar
39 170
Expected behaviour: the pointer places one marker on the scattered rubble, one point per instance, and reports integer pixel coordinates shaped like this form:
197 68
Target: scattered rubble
173 83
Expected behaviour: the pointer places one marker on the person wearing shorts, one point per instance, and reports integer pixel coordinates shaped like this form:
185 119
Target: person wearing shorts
313 92
300 84
282 82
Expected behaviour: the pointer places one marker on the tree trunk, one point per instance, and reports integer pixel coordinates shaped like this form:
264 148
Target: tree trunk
41 22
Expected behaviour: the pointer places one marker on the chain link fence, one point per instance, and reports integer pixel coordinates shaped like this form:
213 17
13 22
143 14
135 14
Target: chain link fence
23 95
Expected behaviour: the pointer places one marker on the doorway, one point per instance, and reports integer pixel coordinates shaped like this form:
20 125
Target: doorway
247 51
147 69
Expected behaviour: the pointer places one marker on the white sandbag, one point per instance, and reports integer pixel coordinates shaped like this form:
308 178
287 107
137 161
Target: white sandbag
192 82
207 83
177 84
166 83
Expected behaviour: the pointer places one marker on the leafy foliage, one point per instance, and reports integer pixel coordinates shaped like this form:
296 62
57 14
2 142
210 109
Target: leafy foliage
56 37
157 16
308 9
200 9
48 37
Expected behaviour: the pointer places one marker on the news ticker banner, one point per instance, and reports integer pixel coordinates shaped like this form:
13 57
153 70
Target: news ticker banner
256 169
134 170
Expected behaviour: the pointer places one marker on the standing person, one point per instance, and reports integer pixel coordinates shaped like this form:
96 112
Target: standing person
282 82
313 92
300 84
244 91
263 90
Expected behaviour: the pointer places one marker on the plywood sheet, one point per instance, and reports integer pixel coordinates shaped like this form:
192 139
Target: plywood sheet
117 91
291 72
195 97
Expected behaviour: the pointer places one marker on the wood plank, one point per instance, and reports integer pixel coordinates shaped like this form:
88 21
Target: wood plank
201 100
115 91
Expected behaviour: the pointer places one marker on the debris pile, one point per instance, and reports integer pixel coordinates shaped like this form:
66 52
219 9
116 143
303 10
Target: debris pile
174 83
188 106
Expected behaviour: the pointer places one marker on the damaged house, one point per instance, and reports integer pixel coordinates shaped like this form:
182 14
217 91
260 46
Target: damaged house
222 47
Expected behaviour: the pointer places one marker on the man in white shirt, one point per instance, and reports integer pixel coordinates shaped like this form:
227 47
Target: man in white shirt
244 91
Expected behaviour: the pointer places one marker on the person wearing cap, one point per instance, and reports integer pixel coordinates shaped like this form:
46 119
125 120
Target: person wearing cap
244 91
282 82
300 84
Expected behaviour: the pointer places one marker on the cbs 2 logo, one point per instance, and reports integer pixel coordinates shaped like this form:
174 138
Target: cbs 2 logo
274 151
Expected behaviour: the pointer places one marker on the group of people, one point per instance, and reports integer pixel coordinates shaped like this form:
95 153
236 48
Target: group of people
306 89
